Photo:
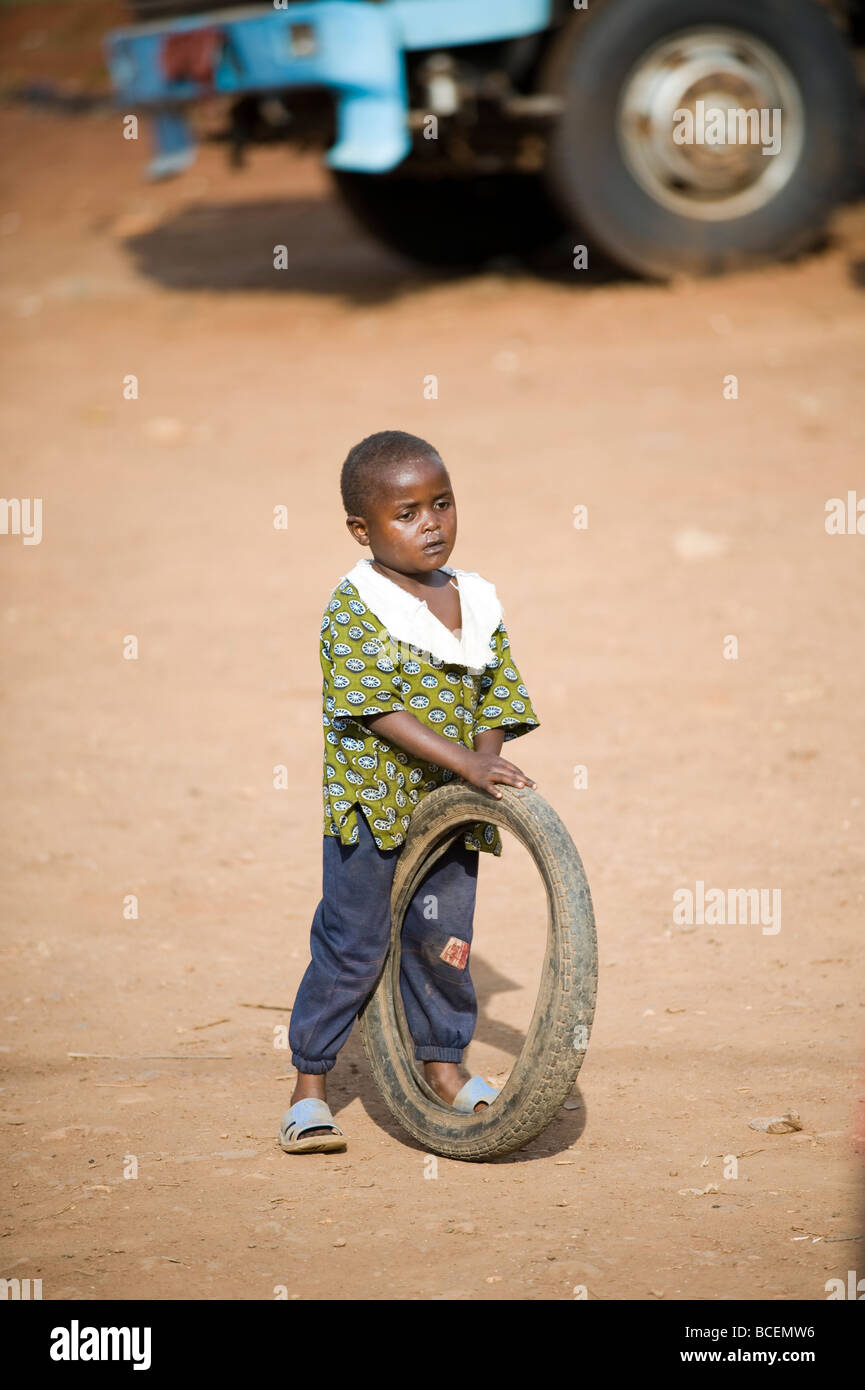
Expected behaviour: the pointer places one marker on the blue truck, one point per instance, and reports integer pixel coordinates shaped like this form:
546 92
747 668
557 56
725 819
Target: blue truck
675 136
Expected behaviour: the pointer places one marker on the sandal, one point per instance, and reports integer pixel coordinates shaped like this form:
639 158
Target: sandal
472 1092
310 1114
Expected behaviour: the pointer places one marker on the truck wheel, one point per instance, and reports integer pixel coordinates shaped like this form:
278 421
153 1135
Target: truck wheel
452 220
626 160
545 1071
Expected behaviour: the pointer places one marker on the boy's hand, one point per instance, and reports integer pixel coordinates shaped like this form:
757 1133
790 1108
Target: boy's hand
484 770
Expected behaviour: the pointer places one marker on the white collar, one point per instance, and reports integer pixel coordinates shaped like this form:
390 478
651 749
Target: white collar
409 619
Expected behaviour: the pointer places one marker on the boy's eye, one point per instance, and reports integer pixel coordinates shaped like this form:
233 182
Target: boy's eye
407 515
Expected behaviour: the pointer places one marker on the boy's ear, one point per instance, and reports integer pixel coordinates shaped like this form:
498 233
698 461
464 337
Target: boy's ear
357 527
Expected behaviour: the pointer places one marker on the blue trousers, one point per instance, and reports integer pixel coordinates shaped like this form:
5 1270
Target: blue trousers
349 940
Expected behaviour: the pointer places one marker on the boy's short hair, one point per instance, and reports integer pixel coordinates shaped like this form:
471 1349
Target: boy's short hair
369 460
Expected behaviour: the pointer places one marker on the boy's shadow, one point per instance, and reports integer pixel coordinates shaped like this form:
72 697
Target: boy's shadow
351 1078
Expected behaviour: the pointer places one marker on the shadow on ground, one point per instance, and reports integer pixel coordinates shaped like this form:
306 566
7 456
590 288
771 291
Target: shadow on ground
229 247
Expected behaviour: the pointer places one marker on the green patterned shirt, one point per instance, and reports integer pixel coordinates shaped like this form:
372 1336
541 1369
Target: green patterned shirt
365 671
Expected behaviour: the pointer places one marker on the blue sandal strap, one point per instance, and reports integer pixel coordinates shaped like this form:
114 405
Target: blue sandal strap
309 1114
472 1092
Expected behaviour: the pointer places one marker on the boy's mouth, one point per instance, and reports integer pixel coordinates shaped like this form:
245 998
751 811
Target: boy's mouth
435 545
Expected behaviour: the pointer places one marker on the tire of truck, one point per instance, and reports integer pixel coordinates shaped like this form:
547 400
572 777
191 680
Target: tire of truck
550 1059
626 162
452 220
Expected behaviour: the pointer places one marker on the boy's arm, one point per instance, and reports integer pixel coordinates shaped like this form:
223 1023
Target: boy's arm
405 731
481 766
489 740
410 734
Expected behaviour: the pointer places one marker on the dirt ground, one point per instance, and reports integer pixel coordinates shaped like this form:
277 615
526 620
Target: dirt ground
154 777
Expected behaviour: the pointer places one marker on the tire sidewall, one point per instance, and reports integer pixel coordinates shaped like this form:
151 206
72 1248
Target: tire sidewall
543 1074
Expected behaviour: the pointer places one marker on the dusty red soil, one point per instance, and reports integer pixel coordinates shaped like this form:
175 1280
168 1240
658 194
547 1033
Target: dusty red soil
58 43
154 777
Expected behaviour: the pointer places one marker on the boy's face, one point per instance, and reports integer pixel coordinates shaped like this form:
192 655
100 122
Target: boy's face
414 509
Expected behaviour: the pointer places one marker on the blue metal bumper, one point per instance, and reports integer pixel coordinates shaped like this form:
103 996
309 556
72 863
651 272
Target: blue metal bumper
352 47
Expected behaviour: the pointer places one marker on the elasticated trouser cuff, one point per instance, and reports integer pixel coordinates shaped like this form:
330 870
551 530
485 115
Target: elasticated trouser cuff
310 1067
439 1054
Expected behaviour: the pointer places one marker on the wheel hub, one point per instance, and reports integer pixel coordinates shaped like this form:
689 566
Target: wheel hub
710 123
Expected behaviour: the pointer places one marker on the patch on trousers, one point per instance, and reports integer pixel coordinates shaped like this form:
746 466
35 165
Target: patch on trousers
456 953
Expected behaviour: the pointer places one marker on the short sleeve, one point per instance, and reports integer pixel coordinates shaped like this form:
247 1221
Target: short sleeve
360 675
503 701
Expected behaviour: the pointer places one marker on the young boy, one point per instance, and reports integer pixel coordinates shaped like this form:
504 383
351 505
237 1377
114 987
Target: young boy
419 687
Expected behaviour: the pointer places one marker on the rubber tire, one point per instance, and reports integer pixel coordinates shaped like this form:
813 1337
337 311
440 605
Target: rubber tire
448 220
596 190
551 1057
